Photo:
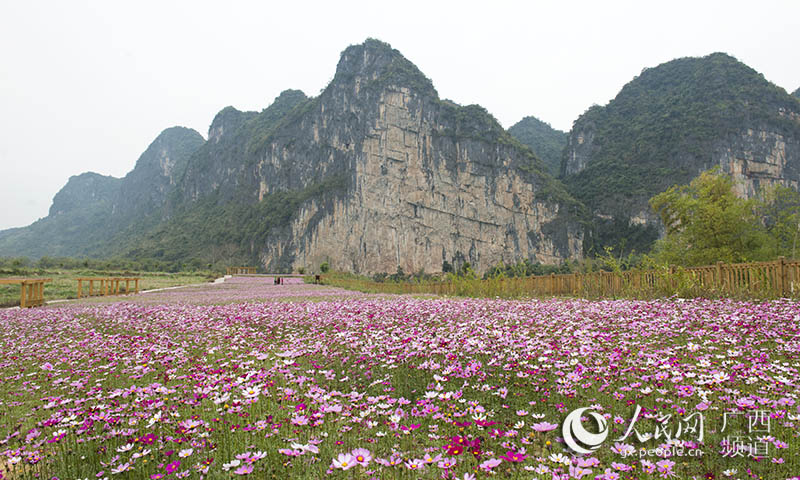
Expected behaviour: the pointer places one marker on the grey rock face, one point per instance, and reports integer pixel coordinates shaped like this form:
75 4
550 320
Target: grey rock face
428 181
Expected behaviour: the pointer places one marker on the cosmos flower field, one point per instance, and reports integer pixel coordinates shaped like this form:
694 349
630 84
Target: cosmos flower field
300 381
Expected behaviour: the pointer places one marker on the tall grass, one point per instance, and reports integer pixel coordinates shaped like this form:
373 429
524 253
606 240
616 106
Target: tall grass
656 282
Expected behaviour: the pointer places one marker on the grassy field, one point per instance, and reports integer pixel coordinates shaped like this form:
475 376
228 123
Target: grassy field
65 285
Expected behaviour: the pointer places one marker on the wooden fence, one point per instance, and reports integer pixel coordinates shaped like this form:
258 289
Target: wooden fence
31 292
780 278
240 270
107 286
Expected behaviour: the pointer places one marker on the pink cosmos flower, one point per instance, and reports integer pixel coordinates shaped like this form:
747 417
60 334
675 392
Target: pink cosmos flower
488 465
415 464
514 457
544 426
362 456
665 467
171 467
578 472
245 469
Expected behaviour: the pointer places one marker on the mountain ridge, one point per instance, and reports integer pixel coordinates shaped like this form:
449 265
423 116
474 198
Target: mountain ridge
378 173
374 174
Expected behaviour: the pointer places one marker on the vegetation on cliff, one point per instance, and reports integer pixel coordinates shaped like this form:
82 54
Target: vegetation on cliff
545 141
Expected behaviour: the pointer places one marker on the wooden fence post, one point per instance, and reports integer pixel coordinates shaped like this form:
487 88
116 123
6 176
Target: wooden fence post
782 276
671 279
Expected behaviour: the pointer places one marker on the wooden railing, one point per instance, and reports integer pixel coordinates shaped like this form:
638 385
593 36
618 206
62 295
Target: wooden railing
31 292
107 286
780 278
240 270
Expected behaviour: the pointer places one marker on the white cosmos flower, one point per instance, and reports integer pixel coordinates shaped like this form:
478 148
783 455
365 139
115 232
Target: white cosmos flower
559 458
251 392
155 418
185 452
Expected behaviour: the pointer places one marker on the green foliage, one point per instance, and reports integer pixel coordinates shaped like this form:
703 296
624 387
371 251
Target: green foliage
706 222
324 267
526 268
619 234
546 142
470 122
797 93
779 209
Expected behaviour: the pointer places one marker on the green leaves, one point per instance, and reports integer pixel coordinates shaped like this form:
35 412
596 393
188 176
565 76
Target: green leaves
706 222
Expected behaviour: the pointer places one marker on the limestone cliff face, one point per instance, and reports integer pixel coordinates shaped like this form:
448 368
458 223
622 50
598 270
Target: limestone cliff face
759 158
579 150
426 181
224 164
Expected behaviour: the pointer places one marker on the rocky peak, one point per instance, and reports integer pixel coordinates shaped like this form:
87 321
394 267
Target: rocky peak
171 147
375 64
797 93
226 122
84 191
288 99
144 189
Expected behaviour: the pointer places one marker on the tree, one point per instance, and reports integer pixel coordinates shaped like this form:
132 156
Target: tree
706 222
324 267
780 211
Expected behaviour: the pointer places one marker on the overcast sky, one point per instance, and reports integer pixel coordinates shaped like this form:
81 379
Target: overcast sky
86 86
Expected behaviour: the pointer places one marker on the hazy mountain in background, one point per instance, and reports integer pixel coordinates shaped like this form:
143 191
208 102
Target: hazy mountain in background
545 141
91 211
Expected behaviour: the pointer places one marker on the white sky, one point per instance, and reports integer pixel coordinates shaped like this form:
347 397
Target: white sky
87 85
